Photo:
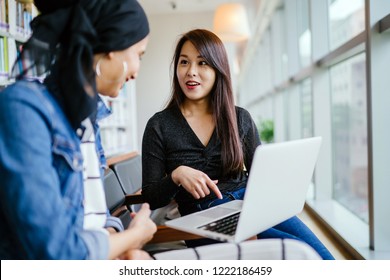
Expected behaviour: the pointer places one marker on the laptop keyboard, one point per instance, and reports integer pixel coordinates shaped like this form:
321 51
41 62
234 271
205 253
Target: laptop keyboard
225 225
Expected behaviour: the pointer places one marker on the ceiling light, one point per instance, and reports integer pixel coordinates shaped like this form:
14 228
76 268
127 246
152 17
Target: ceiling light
231 22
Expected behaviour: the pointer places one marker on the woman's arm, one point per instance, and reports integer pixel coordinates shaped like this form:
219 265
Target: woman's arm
36 213
158 188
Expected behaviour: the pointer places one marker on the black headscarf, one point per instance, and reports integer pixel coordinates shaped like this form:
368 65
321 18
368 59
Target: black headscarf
66 35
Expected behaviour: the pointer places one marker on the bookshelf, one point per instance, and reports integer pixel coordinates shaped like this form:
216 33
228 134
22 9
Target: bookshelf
118 131
15 18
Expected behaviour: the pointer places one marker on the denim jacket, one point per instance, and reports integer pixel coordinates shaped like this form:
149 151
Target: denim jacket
41 182
103 112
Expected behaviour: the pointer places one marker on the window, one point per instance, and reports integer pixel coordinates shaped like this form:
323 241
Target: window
306 108
346 20
336 87
304 33
349 135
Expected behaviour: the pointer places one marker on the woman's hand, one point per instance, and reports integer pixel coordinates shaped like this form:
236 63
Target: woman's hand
135 254
197 183
142 225
139 232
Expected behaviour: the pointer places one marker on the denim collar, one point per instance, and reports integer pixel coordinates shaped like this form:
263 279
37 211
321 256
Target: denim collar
102 110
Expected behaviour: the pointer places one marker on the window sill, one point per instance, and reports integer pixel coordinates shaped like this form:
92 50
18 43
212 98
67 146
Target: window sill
352 232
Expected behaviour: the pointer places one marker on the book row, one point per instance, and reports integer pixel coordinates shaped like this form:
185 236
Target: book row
15 17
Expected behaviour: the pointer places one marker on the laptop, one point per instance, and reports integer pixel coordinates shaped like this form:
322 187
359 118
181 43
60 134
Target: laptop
276 191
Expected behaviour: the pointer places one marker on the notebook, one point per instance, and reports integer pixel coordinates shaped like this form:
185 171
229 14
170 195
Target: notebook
276 191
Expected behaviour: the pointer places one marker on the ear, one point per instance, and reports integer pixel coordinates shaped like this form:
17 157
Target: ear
110 55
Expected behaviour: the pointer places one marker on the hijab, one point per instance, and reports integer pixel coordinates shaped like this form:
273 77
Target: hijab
65 37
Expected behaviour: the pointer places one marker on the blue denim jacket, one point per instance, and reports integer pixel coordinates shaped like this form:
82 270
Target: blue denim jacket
41 182
103 112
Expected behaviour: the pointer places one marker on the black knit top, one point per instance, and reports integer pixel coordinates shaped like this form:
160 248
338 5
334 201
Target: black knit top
169 142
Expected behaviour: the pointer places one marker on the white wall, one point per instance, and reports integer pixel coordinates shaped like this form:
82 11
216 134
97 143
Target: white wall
154 80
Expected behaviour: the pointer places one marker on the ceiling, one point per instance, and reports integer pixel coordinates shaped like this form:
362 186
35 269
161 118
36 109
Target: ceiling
153 7
180 6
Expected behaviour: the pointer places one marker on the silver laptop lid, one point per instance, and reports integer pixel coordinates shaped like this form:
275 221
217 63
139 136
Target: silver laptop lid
279 178
277 185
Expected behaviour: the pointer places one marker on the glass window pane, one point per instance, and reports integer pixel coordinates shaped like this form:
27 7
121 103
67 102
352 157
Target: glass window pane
346 20
307 120
307 108
284 31
304 33
349 135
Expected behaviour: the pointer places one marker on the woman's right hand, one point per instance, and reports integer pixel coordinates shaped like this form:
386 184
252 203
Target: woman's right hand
135 254
196 182
142 225
139 232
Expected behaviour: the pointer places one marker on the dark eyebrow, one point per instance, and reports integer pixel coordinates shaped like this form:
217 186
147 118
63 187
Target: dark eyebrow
199 56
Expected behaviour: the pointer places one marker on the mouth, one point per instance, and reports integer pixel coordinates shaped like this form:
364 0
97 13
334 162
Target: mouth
192 84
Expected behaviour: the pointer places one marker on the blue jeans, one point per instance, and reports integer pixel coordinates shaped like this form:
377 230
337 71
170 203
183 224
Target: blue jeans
292 228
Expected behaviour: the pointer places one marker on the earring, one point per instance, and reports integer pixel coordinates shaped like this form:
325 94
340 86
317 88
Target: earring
100 75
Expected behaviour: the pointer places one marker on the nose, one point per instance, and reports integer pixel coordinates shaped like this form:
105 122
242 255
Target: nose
192 70
134 74
135 66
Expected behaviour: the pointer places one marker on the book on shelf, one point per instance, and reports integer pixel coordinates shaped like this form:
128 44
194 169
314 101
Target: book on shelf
12 53
8 54
19 16
3 59
15 18
3 15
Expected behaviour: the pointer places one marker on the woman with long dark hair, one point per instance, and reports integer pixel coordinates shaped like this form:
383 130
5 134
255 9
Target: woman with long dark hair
198 151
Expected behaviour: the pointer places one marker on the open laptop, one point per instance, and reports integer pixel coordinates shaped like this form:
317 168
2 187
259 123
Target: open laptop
276 191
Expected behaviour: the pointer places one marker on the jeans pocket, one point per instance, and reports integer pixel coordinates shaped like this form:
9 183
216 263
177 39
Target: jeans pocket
211 203
228 196
237 194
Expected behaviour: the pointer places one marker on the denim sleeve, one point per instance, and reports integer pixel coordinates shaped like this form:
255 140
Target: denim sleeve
98 245
34 211
100 150
102 113
115 223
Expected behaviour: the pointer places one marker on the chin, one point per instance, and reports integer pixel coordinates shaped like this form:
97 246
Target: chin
114 95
